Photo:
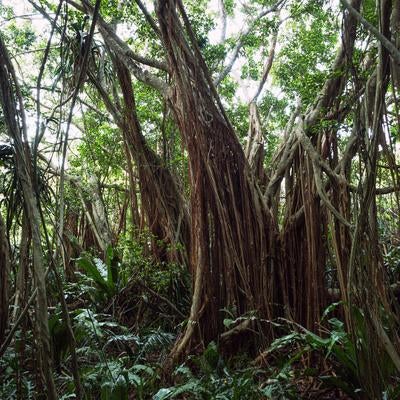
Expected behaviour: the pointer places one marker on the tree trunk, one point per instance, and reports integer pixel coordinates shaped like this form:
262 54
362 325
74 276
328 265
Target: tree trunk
161 197
233 234
16 127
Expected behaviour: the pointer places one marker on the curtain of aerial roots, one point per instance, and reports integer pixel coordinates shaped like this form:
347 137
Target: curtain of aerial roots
4 279
367 286
303 245
307 233
232 233
86 234
161 198
10 96
72 248
255 152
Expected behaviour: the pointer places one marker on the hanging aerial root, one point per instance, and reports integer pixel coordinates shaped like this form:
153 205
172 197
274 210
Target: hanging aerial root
232 232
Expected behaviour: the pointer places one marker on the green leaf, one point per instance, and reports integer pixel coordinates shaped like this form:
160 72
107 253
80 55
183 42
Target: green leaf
330 308
163 394
106 389
145 368
228 322
120 390
209 359
339 383
91 270
192 386
112 271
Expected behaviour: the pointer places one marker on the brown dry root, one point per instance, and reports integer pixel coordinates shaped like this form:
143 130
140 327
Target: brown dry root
15 123
303 248
4 279
163 206
161 198
233 262
255 152
232 233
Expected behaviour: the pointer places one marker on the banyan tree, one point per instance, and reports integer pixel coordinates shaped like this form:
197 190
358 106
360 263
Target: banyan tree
267 231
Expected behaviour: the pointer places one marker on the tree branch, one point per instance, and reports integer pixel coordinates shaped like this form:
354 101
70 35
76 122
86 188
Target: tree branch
108 33
148 17
390 47
240 42
267 66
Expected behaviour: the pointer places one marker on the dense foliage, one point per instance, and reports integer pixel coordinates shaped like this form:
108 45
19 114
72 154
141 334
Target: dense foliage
199 199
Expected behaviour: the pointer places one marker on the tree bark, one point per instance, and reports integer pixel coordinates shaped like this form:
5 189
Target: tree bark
16 127
4 279
233 262
161 197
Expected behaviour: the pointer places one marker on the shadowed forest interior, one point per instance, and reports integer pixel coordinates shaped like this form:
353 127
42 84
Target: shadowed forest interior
200 199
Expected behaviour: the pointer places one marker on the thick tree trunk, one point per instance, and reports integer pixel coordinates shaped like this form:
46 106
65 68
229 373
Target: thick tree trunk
161 197
134 206
233 235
